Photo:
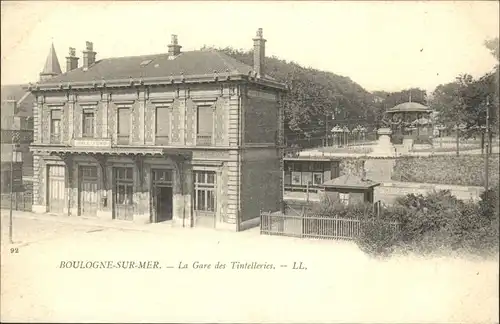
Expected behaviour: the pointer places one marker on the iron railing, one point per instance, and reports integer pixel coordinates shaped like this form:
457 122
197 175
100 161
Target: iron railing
313 226
55 138
21 200
161 140
123 139
204 140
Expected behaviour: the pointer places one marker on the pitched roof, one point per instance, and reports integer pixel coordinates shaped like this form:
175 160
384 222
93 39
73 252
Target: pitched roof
24 99
205 62
52 66
349 181
409 106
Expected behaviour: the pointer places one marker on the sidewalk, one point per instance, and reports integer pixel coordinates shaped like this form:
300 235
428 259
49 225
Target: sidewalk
94 224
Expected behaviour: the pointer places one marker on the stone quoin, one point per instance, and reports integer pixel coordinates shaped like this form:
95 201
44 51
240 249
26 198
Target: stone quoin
192 138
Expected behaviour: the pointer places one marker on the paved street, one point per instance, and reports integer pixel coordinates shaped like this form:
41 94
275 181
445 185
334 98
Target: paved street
340 283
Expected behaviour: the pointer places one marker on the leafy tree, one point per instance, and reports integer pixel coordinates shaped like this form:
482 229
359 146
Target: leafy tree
317 100
492 45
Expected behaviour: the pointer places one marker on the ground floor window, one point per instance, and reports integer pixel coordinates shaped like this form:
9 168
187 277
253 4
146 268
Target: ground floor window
344 198
318 178
205 193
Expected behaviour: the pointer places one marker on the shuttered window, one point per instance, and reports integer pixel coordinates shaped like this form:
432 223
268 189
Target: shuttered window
162 125
88 123
204 125
123 125
205 120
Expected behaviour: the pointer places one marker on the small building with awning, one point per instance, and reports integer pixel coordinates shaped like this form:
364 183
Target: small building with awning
308 173
349 189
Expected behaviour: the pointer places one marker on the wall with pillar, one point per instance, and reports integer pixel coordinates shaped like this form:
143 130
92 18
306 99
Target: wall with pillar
39 184
261 182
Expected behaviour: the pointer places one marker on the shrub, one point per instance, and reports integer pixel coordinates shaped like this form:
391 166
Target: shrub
489 203
377 238
328 208
435 222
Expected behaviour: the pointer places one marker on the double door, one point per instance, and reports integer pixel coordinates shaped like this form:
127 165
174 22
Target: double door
87 193
162 195
55 188
162 203
123 193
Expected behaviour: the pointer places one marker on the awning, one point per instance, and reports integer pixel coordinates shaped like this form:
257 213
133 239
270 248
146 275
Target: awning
113 151
349 182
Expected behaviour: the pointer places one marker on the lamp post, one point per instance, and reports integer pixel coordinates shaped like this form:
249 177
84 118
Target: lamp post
11 192
486 162
13 155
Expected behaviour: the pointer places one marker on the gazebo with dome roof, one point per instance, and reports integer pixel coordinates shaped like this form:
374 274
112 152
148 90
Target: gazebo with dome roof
410 120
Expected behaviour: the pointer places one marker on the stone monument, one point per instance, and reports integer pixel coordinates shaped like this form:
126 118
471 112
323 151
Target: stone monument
384 147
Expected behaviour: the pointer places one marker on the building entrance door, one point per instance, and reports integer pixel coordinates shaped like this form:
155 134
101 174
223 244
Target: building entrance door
163 203
55 189
123 194
162 195
87 193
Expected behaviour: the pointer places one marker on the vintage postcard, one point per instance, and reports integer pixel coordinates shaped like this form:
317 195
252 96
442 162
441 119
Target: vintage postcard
250 162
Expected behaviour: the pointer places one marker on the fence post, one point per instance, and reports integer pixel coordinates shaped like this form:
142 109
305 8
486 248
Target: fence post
261 220
302 223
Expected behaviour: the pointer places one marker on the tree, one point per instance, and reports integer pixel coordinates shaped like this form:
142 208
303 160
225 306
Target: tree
314 97
492 45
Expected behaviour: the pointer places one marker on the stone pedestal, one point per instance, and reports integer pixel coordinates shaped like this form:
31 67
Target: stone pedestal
384 145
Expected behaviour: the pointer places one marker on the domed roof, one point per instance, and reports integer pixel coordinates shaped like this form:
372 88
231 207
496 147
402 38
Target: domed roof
409 106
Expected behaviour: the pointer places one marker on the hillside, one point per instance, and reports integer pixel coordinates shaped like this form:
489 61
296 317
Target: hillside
315 97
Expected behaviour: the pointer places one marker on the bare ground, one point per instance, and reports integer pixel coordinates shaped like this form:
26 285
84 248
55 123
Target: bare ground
341 284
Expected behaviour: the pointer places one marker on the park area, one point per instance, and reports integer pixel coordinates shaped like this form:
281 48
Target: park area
336 283
441 145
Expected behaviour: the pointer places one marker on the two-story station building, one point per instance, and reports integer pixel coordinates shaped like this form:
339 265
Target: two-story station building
189 137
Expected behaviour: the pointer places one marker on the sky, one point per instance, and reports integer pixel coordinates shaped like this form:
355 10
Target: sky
387 46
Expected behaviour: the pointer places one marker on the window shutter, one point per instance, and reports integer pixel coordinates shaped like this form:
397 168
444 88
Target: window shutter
123 121
162 121
205 120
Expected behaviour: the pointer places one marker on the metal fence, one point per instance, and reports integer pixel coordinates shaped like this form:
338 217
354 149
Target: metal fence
21 200
313 226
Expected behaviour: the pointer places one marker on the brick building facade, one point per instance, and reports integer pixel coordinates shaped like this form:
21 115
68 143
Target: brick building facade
193 137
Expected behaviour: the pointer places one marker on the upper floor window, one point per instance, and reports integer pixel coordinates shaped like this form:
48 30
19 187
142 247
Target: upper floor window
88 122
123 125
204 125
55 126
162 125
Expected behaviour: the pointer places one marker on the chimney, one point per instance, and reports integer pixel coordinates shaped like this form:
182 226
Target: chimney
259 53
174 48
88 55
71 60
